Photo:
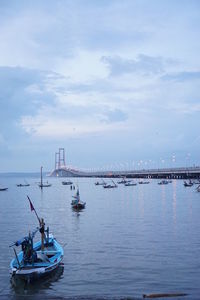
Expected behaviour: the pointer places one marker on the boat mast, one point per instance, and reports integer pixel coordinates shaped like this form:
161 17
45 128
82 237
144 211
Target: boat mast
41 181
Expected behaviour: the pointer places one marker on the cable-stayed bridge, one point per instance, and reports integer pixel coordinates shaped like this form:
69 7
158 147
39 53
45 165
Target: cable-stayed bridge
61 170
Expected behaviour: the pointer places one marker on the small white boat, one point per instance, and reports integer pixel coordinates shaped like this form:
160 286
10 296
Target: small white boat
163 182
130 184
123 181
143 182
100 183
110 186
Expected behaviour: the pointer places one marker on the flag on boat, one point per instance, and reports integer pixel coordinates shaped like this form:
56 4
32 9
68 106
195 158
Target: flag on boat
33 209
31 204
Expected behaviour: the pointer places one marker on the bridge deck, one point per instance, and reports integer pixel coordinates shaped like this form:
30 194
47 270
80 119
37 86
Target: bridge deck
184 173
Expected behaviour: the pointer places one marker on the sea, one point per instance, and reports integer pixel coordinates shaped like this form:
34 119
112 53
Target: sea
127 242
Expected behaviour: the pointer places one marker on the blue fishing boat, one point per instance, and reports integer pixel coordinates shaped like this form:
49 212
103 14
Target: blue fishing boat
36 260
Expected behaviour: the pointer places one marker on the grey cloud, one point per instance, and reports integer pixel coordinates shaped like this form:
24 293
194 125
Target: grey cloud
182 76
144 64
15 98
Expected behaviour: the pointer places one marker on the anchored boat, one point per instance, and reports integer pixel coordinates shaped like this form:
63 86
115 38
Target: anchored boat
143 182
123 181
110 186
3 188
23 184
130 184
36 259
163 182
76 202
186 184
67 182
100 183
42 184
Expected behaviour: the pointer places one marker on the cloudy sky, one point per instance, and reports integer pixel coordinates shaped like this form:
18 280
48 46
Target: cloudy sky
116 83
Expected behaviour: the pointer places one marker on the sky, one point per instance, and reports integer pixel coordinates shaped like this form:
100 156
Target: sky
115 83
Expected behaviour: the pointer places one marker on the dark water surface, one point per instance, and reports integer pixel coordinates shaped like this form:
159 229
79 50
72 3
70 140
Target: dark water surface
128 241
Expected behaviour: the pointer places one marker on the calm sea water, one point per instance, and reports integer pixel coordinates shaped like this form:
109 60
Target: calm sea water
128 241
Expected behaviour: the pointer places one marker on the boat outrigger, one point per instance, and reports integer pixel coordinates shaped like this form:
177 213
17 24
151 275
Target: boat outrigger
36 259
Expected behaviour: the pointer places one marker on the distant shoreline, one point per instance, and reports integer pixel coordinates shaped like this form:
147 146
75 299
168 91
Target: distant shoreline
21 174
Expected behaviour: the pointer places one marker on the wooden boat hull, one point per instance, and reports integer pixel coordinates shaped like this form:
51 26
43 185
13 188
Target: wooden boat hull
36 270
78 205
188 184
67 183
110 186
44 185
33 274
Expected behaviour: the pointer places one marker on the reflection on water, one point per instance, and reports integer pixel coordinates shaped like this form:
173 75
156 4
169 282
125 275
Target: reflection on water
141 200
21 288
174 202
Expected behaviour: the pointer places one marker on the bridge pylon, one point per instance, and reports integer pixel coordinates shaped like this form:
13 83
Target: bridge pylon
61 162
